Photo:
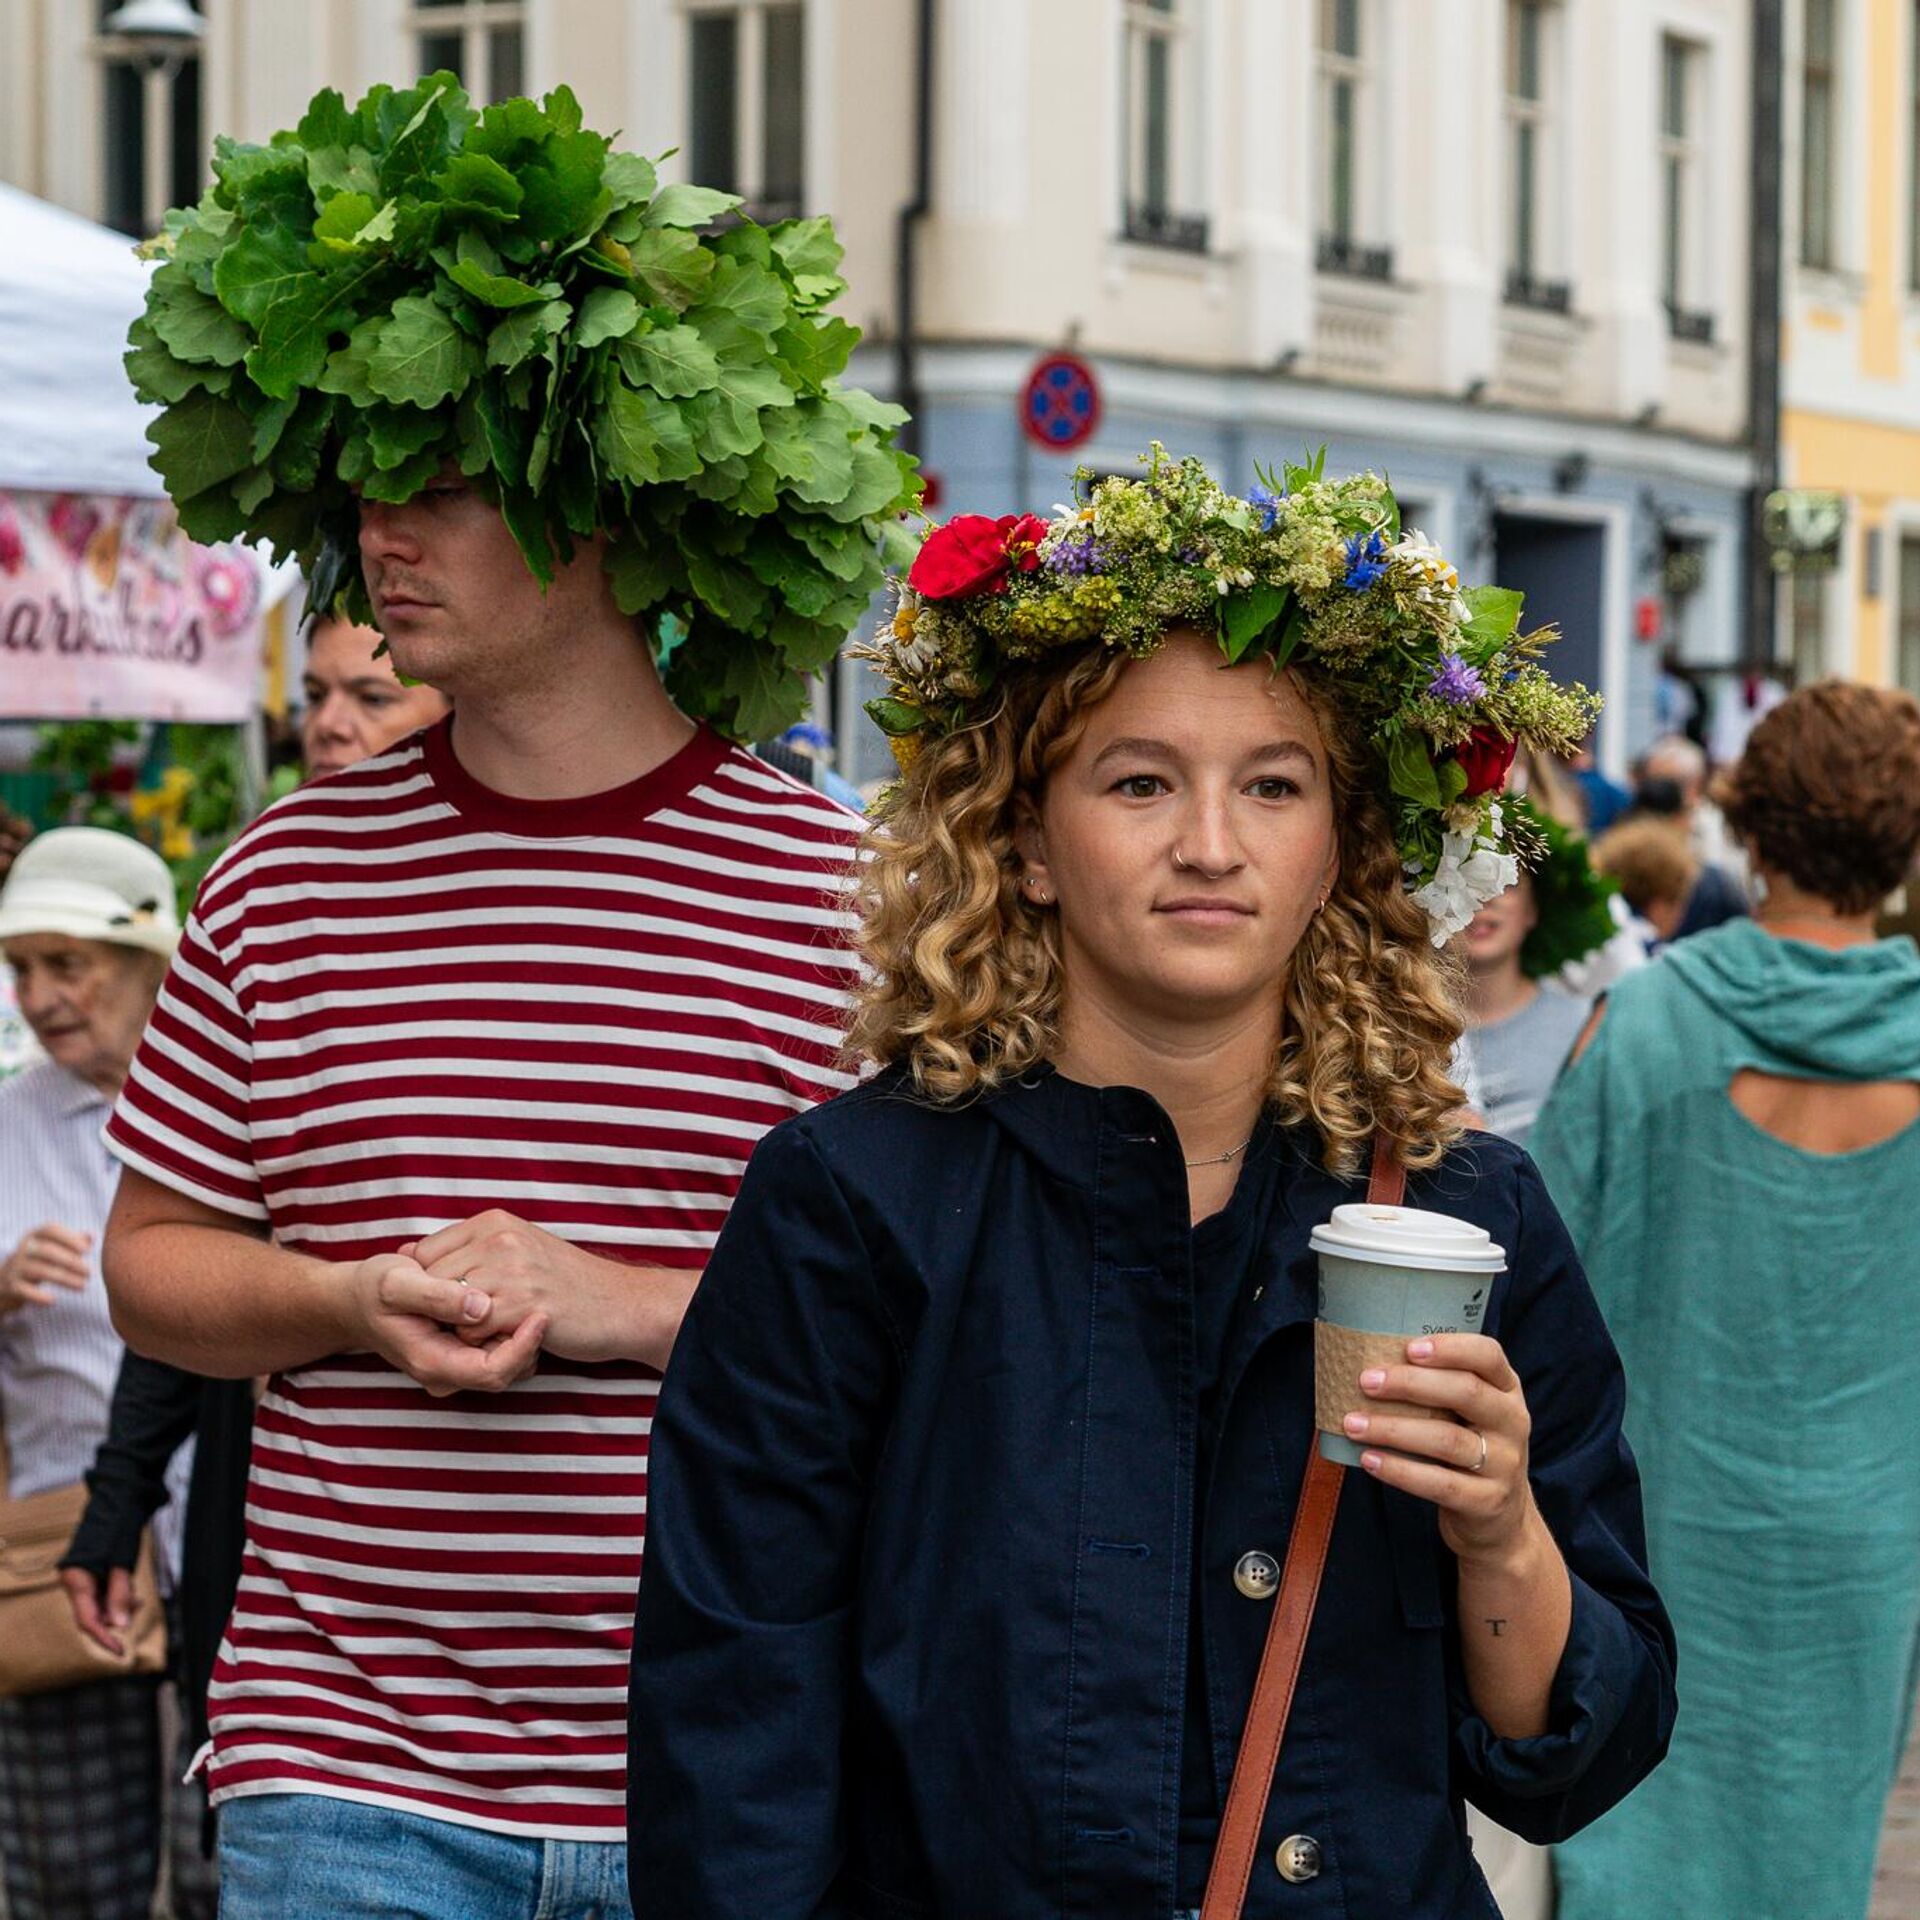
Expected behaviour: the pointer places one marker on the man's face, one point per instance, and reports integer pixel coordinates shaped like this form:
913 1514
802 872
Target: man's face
454 597
355 704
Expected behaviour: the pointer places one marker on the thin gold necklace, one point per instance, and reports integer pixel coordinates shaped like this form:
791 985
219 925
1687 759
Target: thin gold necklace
1221 1159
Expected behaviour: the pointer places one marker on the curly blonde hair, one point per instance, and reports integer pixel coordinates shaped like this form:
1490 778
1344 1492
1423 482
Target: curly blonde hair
964 984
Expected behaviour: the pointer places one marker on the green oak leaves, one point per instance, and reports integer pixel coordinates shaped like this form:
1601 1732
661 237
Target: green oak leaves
409 284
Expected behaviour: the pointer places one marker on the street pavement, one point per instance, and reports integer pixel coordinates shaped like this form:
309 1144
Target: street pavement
1896 1884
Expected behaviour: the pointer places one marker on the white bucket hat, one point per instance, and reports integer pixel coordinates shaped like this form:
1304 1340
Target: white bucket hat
91 885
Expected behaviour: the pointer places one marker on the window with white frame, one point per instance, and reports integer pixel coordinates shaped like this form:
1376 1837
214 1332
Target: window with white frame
1346 187
746 101
1532 154
1158 63
481 42
1819 136
1683 199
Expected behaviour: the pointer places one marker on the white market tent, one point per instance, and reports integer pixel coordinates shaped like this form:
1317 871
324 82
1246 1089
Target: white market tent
68 292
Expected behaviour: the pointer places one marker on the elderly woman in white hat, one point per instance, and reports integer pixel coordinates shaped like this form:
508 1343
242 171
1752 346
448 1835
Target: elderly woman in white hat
87 923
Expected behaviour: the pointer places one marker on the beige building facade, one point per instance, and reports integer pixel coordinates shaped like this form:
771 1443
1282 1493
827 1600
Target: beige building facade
1497 248
1850 368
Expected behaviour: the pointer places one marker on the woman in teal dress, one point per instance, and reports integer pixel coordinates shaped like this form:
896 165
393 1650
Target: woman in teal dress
1737 1153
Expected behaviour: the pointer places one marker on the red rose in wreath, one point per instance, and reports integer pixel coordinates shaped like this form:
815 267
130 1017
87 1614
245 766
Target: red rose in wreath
974 553
1486 755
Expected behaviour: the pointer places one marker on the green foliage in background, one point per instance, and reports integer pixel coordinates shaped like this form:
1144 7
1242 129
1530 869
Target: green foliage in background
198 800
391 287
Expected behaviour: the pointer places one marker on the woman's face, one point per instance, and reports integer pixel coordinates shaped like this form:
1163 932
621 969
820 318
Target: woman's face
355 704
1186 839
1492 939
87 1001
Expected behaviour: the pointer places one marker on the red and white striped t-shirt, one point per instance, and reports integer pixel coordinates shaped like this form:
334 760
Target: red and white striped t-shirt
403 999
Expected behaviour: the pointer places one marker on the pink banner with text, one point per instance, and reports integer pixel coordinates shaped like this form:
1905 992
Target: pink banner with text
108 611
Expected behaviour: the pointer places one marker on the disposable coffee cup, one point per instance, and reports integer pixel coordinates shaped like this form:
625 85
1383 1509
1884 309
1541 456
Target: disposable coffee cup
1387 1276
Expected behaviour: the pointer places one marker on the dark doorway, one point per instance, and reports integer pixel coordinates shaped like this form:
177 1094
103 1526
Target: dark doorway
1560 565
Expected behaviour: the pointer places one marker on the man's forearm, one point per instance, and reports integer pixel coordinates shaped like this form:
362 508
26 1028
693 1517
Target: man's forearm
220 1302
661 1296
612 1310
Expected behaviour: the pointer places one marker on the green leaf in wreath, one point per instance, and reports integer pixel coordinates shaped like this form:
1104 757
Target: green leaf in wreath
810 447
643 571
726 419
524 332
421 356
631 180
1249 616
1410 769
751 294
1492 615
298 331
815 351
763 695
155 373
673 266
605 314
882 478
644 439
500 289
674 361
396 434
807 246
192 325
478 185
199 442
732 592
895 718
686 206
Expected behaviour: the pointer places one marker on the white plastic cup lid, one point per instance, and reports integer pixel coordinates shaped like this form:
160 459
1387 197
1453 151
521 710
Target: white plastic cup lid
1408 1237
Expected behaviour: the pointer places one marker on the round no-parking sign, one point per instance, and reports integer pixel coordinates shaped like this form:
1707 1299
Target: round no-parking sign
1061 406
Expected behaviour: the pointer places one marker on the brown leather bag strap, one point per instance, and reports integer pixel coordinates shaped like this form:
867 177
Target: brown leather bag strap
1266 1727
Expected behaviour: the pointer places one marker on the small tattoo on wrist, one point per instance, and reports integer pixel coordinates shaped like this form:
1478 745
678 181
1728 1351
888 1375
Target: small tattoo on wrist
1497 1626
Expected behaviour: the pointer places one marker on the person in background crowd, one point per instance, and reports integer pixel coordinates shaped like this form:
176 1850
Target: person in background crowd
1684 762
1737 1153
87 921
1604 797
1521 1023
1717 894
354 706
353 703
1654 870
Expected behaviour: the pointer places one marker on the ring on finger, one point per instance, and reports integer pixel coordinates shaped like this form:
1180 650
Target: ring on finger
1479 1466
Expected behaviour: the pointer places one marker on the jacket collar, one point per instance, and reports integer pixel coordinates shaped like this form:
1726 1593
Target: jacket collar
1059 1121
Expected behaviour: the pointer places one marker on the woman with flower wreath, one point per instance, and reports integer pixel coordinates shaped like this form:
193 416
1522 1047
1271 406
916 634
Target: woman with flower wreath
982 1441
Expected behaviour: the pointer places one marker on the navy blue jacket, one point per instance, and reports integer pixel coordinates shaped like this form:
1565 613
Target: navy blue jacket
924 1527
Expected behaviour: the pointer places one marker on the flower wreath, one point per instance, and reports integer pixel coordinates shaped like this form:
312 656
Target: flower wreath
412 281
1306 571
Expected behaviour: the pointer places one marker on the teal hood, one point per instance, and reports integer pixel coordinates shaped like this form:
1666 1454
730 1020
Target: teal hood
1808 1011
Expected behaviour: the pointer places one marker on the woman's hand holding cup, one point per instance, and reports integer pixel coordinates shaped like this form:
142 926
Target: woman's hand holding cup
1486 1505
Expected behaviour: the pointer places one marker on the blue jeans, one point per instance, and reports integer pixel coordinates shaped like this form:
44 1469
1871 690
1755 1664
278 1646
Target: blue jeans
303 1856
